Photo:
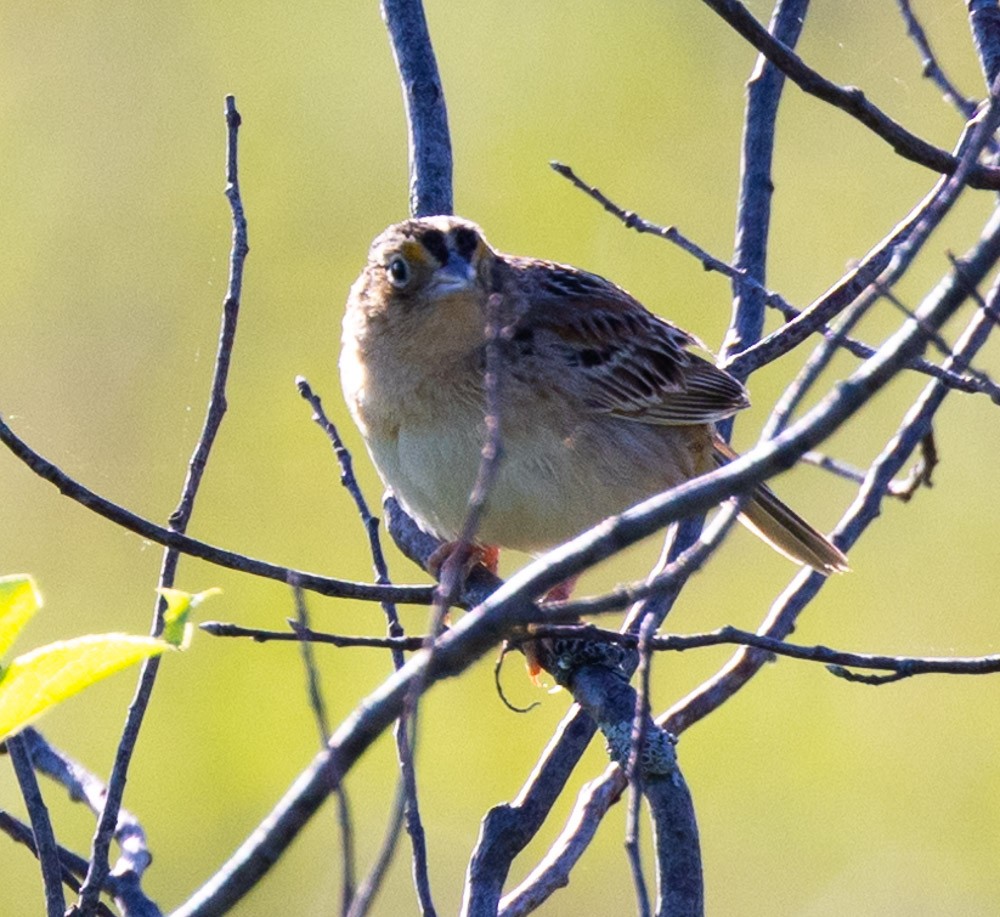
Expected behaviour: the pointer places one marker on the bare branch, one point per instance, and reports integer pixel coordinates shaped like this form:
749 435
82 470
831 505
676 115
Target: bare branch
46 848
71 864
903 489
404 749
633 769
313 582
932 69
221 629
907 666
318 705
507 829
426 115
456 649
372 882
849 99
973 383
452 573
553 871
82 785
984 19
753 215
887 261
178 520
350 482
781 618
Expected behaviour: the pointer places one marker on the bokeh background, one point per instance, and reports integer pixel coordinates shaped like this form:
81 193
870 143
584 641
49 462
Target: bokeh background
814 796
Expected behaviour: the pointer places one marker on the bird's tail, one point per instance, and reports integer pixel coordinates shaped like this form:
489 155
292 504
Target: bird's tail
783 528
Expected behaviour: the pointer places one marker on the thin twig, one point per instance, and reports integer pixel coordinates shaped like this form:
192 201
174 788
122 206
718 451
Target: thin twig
71 864
921 473
903 489
753 213
977 383
931 68
633 771
835 466
179 518
350 483
222 629
46 848
313 582
318 706
824 655
84 786
372 882
935 339
849 99
404 748
491 456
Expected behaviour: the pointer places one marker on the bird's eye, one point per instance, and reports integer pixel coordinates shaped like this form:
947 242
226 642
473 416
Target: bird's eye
399 272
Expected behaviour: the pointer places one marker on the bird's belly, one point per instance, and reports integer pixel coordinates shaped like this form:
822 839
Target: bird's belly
431 474
551 483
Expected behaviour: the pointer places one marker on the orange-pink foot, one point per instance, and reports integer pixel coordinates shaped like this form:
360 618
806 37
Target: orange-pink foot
468 555
558 593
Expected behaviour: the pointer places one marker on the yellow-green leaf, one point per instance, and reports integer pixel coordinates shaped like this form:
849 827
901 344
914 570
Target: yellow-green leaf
176 627
19 600
38 680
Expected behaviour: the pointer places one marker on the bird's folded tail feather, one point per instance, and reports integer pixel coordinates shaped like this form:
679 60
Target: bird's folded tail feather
783 528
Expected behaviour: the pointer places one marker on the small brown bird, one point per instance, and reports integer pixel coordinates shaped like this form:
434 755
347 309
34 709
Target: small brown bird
601 402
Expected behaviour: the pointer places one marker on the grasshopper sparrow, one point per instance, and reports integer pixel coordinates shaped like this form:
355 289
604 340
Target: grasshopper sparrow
601 402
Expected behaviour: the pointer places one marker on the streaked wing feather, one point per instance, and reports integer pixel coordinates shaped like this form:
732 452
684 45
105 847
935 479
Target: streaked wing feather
708 395
635 365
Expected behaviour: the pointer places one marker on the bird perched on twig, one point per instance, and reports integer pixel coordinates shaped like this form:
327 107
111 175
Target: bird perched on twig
601 403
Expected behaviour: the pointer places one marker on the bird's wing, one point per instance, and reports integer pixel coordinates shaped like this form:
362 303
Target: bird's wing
623 359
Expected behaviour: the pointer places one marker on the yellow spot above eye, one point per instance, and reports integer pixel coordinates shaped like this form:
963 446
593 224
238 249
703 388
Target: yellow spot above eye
414 252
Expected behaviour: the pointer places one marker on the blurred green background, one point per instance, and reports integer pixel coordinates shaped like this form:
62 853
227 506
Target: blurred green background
814 797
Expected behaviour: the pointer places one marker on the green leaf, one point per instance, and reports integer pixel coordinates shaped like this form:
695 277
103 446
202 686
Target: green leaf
176 627
38 680
19 600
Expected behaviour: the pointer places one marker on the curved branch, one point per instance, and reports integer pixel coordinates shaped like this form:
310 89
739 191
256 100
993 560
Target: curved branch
849 99
884 263
932 69
314 582
179 519
780 620
426 115
477 633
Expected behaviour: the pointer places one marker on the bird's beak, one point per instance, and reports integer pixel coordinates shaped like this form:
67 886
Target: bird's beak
458 274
